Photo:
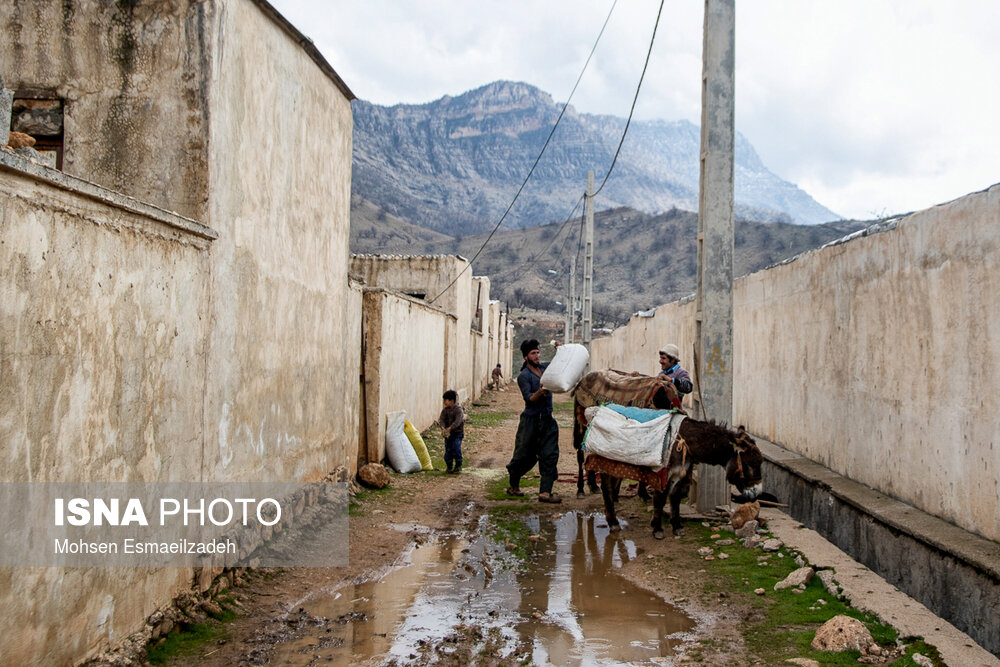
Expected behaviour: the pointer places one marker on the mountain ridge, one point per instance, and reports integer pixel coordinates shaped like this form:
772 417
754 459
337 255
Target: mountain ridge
454 164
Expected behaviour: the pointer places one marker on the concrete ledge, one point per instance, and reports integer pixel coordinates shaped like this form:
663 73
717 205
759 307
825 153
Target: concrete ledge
956 574
25 167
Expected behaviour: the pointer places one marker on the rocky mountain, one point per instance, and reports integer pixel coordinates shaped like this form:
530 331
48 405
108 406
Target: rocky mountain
454 164
640 260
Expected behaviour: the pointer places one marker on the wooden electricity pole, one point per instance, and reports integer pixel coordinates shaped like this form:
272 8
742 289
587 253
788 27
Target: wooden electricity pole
715 234
588 262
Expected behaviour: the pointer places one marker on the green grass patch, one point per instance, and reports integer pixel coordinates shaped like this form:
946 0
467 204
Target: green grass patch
507 526
487 419
497 490
191 641
788 620
365 497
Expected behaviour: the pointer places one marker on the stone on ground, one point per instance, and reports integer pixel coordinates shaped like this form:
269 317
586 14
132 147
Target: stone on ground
842 633
799 577
374 475
748 529
772 545
803 662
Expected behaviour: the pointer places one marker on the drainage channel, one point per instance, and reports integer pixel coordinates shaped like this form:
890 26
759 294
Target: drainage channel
466 599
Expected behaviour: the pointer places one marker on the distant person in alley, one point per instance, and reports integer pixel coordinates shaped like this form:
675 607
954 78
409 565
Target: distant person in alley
537 439
670 366
498 378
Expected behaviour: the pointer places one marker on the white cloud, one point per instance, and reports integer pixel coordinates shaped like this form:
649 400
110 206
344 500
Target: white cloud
883 106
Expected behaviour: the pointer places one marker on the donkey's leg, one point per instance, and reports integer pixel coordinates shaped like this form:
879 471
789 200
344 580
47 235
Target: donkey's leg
607 484
579 473
659 500
643 492
592 481
677 493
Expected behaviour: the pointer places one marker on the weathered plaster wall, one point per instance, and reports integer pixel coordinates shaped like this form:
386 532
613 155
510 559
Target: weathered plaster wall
102 364
404 363
283 357
428 275
879 358
134 77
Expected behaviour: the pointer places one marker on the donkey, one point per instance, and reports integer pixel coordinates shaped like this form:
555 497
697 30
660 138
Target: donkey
698 442
611 386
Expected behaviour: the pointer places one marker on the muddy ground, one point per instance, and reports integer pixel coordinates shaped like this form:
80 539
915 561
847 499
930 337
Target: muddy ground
283 623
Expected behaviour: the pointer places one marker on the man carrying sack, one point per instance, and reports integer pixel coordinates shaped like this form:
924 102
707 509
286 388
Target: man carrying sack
537 439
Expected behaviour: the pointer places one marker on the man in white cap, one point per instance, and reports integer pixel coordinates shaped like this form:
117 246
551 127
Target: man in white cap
670 365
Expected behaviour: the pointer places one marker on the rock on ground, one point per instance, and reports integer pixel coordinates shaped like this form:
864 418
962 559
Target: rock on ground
772 545
748 529
374 475
803 662
826 576
744 513
842 633
799 577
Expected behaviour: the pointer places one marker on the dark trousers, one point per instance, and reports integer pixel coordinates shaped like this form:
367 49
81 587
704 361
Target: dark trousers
453 450
537 441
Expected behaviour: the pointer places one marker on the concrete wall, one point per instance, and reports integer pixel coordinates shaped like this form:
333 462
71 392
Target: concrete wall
429 276
282 357
132 347
404 362
878 358
134 78
102 360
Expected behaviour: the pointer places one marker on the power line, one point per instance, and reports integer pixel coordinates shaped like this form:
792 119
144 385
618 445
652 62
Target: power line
634 99
542 152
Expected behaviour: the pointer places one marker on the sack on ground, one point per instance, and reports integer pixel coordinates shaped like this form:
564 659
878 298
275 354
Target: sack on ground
398 449
417 441
566 368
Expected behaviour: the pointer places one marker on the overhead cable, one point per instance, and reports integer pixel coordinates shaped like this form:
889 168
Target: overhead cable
542 152
634 99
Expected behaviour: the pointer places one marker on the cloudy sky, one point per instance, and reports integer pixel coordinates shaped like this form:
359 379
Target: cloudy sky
873 107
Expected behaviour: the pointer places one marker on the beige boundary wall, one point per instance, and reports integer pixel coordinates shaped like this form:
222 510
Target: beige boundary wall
141 346
415 350
878 358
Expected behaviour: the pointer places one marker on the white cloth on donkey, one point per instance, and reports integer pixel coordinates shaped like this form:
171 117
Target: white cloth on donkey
620 438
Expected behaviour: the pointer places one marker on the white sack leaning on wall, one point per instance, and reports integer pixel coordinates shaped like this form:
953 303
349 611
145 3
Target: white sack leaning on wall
398 449
566 368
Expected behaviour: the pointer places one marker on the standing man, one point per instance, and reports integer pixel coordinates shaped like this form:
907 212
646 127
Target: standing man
498 378
537 439
670 365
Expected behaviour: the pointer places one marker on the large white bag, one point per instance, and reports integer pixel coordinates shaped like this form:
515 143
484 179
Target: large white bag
619 438
566 368
398 449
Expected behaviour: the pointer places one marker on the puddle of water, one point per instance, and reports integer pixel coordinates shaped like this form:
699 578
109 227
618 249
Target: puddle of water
566 606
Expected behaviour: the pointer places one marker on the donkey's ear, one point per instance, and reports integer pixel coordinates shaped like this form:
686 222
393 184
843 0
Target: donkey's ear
741 428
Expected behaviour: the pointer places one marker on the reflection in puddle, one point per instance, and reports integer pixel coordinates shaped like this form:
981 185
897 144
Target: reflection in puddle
566 606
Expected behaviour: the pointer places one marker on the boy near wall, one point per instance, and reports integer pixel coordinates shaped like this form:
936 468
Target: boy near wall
452 422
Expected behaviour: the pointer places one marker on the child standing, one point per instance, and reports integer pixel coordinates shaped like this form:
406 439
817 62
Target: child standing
452 422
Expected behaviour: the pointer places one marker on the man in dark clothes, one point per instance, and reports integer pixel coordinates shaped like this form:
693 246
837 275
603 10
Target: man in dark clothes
537 439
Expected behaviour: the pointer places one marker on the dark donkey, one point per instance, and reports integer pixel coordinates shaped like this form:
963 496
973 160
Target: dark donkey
698 442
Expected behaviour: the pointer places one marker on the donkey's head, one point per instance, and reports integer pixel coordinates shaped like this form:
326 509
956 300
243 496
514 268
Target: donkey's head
744 468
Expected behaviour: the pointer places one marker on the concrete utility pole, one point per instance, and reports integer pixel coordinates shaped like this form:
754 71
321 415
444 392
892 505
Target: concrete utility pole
588 262
570 306
715 234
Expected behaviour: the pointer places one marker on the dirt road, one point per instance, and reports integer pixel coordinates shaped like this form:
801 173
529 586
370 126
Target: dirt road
445 569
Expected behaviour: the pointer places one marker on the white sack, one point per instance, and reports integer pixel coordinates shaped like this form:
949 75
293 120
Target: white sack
615 436
398 449
566 368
